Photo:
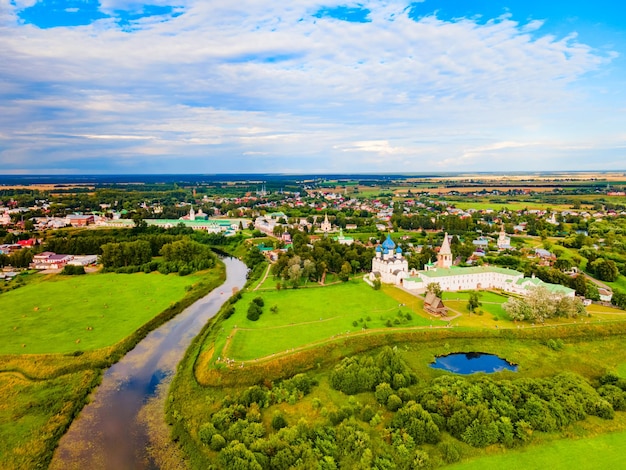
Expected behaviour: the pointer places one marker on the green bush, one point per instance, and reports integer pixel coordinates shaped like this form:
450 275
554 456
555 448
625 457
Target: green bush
217 442
278 421
394 402
254 312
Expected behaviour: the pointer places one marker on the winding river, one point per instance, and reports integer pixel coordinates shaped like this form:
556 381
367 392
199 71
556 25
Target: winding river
108 433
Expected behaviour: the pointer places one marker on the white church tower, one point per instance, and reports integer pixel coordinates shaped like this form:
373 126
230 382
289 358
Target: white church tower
444 257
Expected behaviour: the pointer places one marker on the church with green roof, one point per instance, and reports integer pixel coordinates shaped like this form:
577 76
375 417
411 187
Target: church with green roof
391 267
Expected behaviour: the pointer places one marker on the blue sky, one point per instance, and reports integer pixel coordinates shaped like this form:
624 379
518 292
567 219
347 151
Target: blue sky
190 86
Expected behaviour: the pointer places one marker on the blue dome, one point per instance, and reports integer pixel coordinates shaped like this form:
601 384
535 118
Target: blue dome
385 251
379 249
399 251
388 243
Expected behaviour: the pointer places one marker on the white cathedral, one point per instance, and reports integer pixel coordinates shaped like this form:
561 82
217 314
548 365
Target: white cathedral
391 267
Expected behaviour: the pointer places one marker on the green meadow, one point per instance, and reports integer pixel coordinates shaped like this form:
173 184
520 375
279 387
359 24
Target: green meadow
512 206
596 453
294 318
58 334
80 313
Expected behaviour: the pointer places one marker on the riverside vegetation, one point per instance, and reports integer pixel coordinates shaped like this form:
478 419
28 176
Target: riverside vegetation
61 332
366 398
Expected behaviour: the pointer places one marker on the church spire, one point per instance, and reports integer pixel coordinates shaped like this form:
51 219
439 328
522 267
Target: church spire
444 258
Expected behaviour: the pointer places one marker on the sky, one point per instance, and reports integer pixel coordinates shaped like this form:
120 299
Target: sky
389 86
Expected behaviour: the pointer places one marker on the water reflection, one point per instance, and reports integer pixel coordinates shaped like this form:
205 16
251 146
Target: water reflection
472 362
107 433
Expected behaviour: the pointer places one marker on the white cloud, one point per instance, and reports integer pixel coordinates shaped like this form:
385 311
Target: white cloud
268 79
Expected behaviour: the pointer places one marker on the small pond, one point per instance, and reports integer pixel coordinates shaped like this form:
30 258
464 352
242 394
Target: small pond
469 363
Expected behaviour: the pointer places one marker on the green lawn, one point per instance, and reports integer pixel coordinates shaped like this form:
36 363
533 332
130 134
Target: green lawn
491 304
620 283
601 452
64 314
306 316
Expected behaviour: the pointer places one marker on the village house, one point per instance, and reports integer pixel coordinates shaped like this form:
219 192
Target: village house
50 260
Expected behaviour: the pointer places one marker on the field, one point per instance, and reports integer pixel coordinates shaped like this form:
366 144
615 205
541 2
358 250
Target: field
311 315
487 315
600 452
80 313
498 206
619 284
43 392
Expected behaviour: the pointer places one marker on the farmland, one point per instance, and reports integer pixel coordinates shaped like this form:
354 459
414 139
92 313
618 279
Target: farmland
81 313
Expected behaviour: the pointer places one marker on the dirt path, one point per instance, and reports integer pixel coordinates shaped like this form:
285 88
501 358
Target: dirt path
267 272
598 283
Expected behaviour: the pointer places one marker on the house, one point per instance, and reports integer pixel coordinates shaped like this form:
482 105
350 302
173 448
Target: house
85 260
605 294
434 304
50 260
481 242
504 241
342 239
79 220
5 218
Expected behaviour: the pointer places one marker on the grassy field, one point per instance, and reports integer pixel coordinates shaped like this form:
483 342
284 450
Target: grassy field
512 206
301 318
620 283
488 314
42 393
601 452
33 415
63 314
304 316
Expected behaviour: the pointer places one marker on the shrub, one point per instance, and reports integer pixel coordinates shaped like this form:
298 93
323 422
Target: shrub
254 312
394 402
278 421
383 392
449 451
70 270
367 413
206 433
259 301
217 442
229 312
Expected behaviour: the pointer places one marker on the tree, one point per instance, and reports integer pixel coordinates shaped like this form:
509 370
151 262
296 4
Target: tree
540 304
254 311
473 303
346 270
308 269
434 288
605 269
294 272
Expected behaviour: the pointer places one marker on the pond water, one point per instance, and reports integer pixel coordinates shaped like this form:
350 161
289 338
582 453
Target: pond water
470 363
108 433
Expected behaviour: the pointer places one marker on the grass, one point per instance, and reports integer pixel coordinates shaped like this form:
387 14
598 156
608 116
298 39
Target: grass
599 452
63 314
34 414
619 283
305 316
42 393
513 206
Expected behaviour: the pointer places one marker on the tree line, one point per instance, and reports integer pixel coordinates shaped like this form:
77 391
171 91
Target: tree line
448 413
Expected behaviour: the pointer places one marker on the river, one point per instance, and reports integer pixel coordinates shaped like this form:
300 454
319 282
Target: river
108 433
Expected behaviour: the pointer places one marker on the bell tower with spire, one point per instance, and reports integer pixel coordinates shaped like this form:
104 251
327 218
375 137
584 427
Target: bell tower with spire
444 257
